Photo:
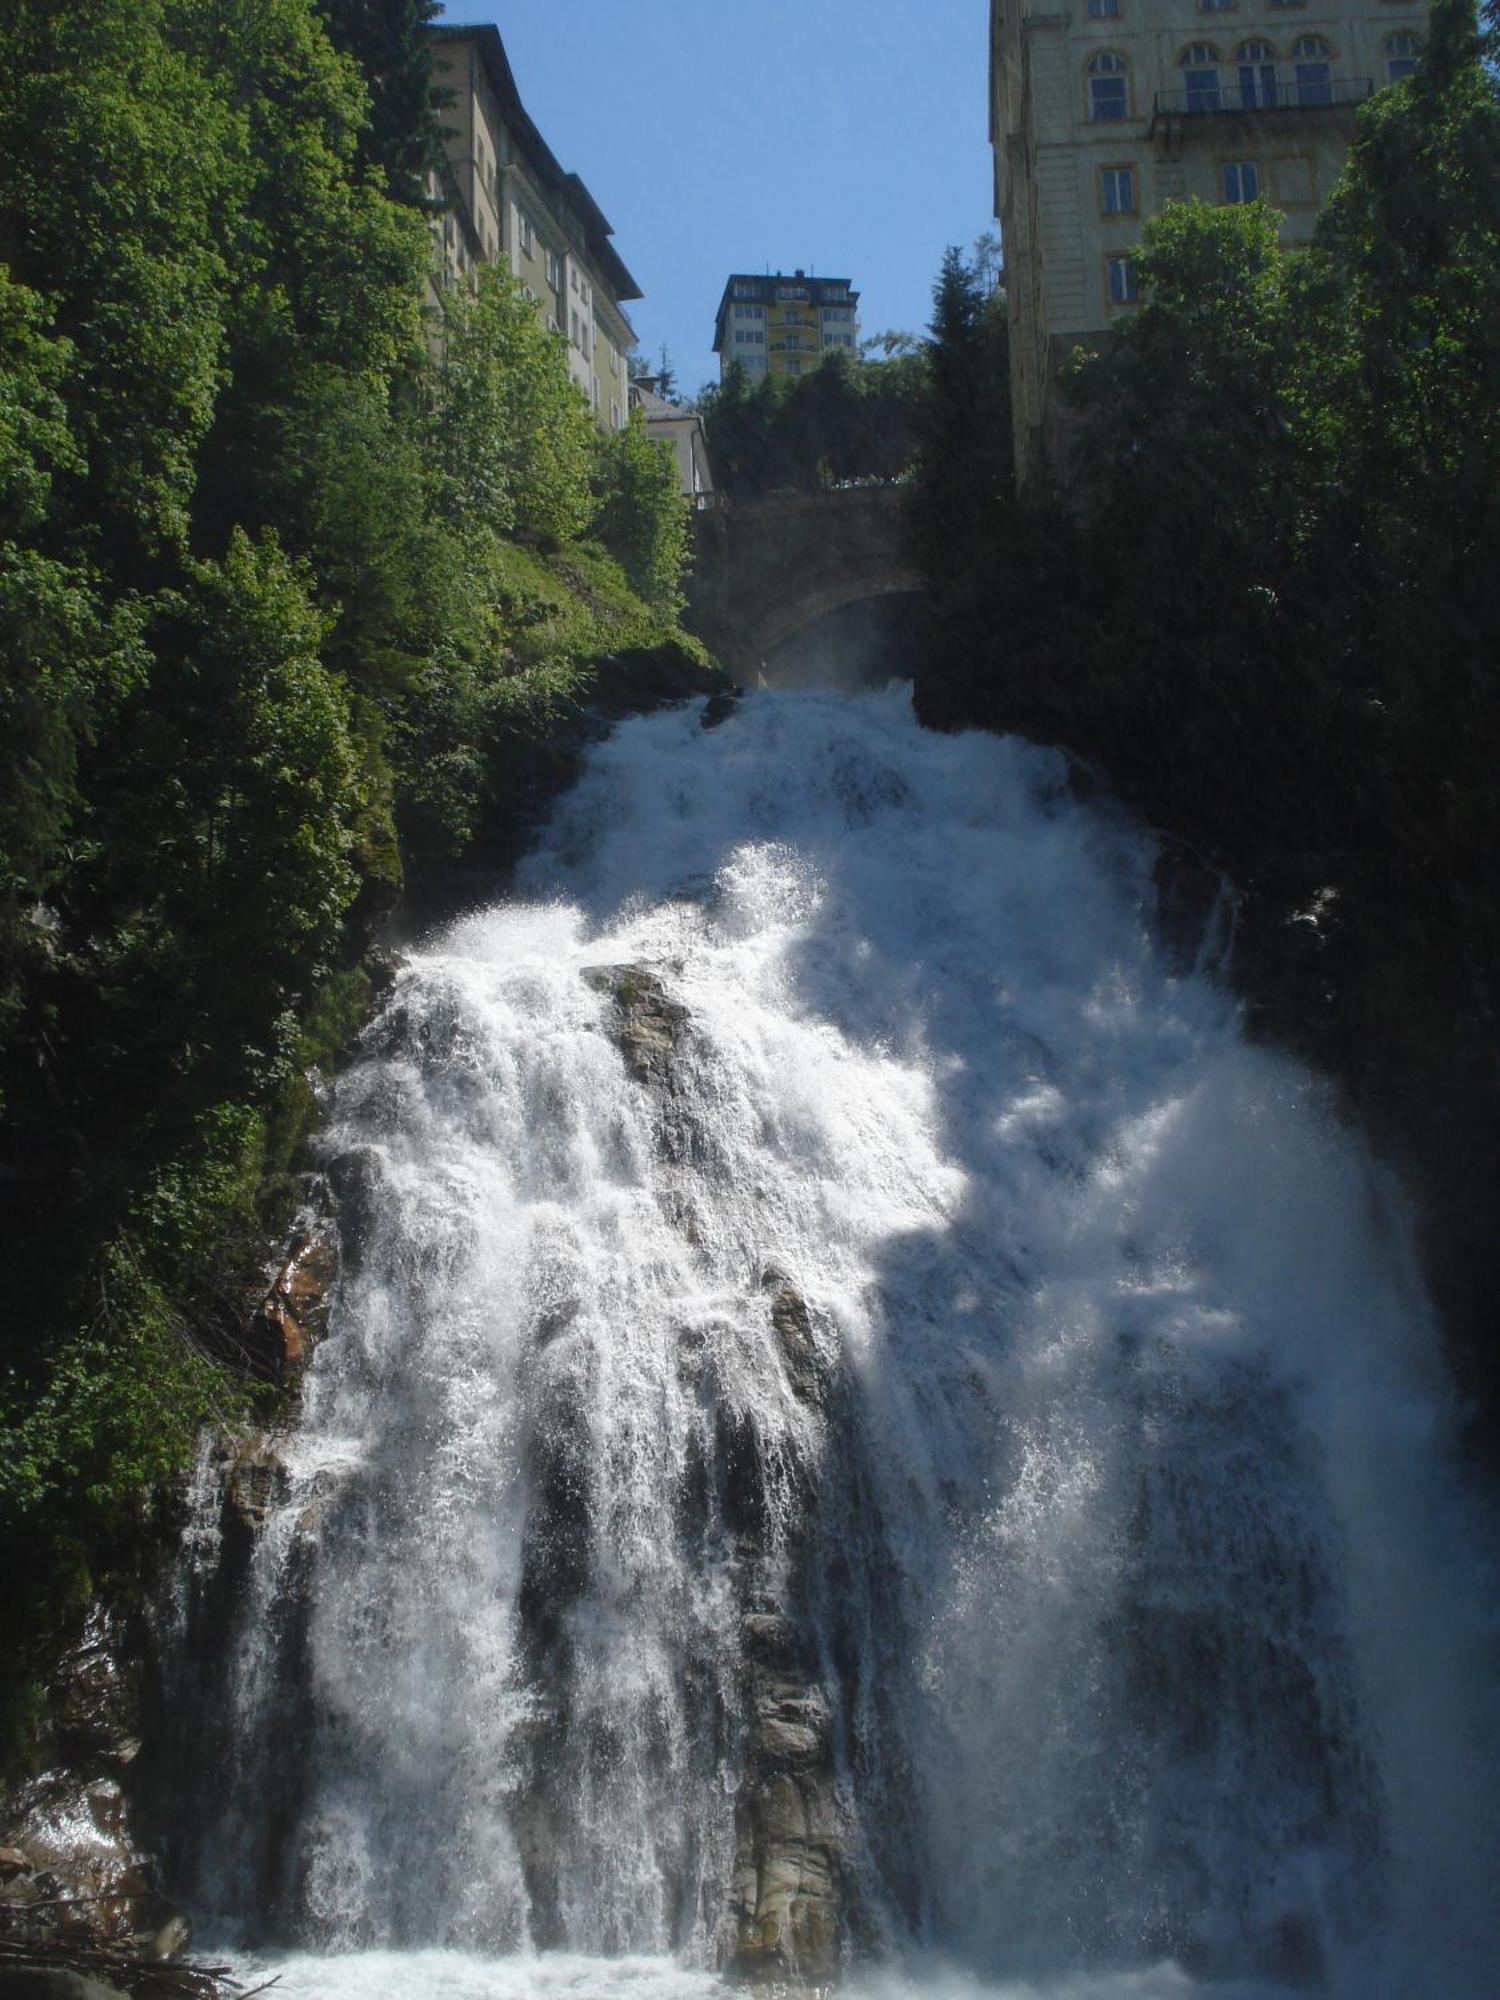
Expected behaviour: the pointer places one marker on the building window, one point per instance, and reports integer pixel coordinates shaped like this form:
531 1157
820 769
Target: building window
745 289
1214 6
1123 288
1255 70
1108 93
1288 3
1312 58
1401 52
554 270
1117 190
1104 10
1200 72
1240 180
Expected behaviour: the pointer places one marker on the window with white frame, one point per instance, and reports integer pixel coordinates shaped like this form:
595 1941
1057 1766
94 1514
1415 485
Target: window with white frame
1109 94
1401 52
1124 289
554 270
1117 190
1239 180
523 231
1312 60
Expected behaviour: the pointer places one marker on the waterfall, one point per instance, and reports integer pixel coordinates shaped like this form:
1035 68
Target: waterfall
864 1430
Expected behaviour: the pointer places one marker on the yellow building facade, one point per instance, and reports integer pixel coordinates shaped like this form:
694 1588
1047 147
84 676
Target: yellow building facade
780 324
1103 112
507 201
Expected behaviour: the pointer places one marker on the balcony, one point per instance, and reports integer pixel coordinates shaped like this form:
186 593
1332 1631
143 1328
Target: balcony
1235 101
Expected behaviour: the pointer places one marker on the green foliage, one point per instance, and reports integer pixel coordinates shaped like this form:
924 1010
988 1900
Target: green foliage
844 421
964 462
1268 601
643 518
121 156
388 40
292 594
512 438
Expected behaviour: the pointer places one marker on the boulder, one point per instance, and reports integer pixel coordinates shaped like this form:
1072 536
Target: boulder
648 1023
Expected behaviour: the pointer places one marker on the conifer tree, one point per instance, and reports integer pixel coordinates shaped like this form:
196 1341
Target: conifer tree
389 41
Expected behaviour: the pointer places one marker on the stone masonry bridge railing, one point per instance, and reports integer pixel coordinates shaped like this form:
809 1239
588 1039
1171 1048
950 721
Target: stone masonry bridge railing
767 569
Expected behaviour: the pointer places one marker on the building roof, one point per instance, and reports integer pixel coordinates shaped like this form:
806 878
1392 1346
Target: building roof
543 161
764 283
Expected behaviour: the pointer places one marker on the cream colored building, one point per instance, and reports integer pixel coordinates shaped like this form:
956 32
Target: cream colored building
1103 111
682 432
508 201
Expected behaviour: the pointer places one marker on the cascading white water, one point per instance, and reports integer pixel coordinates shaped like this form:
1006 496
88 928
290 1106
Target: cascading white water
1102 1473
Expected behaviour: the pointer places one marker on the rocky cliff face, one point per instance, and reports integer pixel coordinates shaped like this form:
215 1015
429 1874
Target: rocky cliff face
787 1919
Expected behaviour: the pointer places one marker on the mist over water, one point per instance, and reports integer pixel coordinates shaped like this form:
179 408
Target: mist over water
1112 1490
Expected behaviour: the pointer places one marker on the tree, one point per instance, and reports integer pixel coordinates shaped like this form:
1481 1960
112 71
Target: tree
513 438
391 43
965 453
643 516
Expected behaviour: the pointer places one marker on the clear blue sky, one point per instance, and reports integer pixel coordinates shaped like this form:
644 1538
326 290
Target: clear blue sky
847 136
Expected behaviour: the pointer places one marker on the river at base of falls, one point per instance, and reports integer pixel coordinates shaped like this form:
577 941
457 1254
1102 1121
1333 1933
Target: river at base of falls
931 1277
452 1975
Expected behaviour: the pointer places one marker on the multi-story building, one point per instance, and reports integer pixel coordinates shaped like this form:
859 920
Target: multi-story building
784 325
1103 112
508 201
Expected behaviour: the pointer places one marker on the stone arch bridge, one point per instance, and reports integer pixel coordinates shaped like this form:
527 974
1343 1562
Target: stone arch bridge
767 569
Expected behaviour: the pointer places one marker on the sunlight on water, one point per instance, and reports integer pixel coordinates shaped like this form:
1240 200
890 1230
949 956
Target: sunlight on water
930 1278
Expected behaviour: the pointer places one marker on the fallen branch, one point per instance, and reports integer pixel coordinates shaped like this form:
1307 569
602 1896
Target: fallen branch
135 1974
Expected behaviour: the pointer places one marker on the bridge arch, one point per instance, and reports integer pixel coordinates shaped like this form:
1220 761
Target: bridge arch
767 570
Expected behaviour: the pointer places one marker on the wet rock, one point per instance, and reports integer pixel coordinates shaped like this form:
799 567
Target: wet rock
84 1881
648 1023
791 1322
172 1939
257 1483
719 707
1188 892
357 1183
787 1896
292 1317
